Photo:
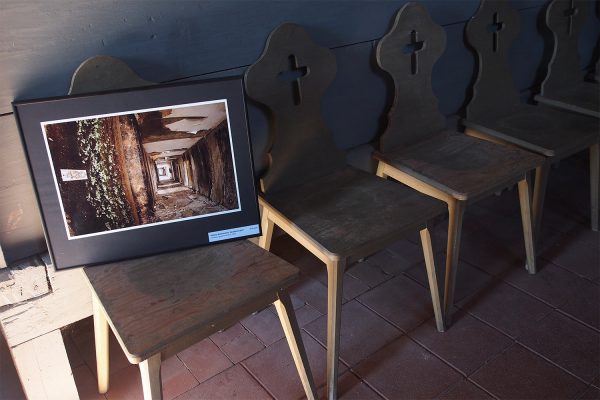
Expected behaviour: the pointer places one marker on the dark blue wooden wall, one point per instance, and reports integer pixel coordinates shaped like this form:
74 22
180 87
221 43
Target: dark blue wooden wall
42 42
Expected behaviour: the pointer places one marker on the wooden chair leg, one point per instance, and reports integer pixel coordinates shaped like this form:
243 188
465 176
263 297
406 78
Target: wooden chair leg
335 274
524 200
267 230
380 170
539 193
151 381
101 344
529 175
594 183
456 211
285 310
432 278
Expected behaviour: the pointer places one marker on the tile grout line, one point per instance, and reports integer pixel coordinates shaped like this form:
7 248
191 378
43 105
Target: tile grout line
462 375
491 359
516 341
266 389
554 307
361 380
404 332
373 388
551 362
324 346
573 318
190 371
570 271
483 389
497 329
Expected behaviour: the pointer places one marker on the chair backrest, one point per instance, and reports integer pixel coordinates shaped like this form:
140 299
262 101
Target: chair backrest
408 52
289 79
564 18
490 32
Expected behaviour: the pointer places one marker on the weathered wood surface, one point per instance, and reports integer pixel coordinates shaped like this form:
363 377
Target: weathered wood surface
337 212
290 78
491 32
495 108
23 281
37 303
417 150
68 301
40 362
415 140
462 166
166 302
407 53
163 42
102 73
550 132
582 98
565 85
148 36
544 130
43 44
565 19
351 213
21 233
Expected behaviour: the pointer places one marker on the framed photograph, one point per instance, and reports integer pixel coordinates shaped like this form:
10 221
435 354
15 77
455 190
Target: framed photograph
130 173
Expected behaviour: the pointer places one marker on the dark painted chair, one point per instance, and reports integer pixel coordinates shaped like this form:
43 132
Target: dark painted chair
565 86
338 213
495 112
417 149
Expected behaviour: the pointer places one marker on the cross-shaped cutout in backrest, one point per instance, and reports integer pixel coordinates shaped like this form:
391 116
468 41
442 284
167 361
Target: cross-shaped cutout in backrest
294 74
413 48
495 27
570 13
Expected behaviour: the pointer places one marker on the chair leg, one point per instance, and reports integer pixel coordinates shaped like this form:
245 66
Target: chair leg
524 200
456 212
594 183
151 381
101 344
267 230
432 278
539 193
335 274
285 310
380 169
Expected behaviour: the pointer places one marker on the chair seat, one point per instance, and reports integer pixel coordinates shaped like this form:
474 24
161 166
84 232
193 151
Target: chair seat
583 98
461 165
216 286
544 130
351 213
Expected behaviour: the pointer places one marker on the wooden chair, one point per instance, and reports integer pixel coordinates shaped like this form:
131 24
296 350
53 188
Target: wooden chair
565 86
417 149
496 114
338 213
159 305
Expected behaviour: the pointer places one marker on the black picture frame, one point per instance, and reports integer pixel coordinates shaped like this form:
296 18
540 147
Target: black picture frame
75 238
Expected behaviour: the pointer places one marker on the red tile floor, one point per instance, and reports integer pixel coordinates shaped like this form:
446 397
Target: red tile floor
514 336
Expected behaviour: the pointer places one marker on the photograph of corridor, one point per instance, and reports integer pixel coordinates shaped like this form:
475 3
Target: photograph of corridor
133 169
